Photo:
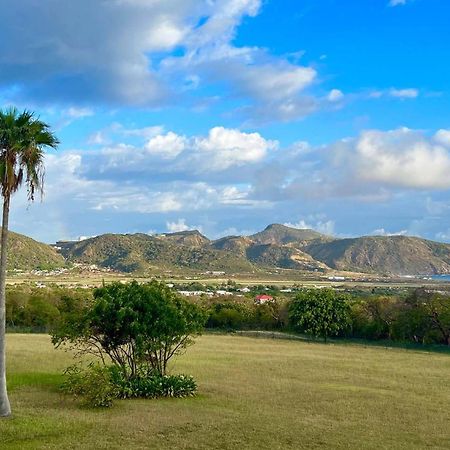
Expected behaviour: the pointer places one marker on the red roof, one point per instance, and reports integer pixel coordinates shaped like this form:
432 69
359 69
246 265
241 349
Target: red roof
264 297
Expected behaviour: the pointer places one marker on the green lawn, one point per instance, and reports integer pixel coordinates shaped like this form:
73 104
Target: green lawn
254 393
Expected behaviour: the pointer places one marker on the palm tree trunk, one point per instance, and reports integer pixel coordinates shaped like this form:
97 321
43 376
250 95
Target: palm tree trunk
5 408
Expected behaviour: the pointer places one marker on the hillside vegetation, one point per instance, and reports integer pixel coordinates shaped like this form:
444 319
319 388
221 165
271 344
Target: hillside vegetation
142 252
400 255
278 246
25 253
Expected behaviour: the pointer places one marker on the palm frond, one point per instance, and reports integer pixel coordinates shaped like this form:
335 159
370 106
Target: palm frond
23 138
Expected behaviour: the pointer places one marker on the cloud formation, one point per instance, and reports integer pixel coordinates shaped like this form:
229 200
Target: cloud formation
143 53
227 174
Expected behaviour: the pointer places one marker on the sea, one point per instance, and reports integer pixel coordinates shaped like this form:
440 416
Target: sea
441 277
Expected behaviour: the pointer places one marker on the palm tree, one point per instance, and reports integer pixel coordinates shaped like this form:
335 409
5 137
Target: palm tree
23 138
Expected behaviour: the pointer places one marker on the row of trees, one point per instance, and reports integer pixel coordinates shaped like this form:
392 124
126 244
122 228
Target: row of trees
420 317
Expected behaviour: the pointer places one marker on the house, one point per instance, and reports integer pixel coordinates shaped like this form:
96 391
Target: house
262 299
245 290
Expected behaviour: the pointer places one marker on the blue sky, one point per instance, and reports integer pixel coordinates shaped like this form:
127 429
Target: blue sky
229 115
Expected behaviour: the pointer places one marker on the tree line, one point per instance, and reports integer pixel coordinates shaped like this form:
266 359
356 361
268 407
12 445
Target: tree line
419 317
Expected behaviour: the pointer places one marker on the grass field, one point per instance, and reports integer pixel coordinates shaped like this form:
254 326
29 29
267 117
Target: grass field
254 393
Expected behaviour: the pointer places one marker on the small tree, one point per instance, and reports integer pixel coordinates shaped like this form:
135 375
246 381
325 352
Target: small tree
136 326
320 312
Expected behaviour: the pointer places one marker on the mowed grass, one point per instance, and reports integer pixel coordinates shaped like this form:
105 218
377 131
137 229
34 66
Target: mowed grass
253 393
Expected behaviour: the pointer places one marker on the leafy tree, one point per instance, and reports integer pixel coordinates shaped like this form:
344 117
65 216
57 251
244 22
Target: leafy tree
373 317
320 312
23 138
424 318
227 314
136 326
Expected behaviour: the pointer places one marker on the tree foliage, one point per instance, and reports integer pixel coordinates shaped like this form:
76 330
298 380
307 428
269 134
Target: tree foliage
424 317
133 325
320 312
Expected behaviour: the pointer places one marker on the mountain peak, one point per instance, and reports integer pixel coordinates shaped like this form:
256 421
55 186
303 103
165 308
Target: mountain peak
281 234
188 237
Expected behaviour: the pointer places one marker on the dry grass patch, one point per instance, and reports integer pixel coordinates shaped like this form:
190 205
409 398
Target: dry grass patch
253 393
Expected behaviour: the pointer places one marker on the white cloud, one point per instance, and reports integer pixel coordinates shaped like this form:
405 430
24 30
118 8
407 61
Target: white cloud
116 130
335 95
180 225
443 137
136 199
393 3
127 52
312 223
224 148
274 83
98 138
72 114
145 132
401 158
407 93
383 232
372 167
210 177
219 151
105 49
404 93
78 113
443 235
167 146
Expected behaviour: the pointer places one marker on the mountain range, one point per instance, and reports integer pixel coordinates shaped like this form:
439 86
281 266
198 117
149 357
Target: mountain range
277 246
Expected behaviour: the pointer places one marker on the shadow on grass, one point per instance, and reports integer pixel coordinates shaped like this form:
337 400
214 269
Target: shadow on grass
51 381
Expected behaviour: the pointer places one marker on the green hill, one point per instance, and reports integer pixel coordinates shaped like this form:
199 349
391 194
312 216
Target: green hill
27 254
278 246
191 238
282 256
234 244
281 234
399 255
141 252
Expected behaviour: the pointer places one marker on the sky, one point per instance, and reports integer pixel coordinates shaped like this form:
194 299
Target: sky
228 115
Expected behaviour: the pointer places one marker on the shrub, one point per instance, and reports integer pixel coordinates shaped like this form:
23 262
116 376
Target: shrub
97 385
153 385
92 385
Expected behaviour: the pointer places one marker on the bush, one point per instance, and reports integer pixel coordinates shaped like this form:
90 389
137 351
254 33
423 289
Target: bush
93 385
153 385
97 386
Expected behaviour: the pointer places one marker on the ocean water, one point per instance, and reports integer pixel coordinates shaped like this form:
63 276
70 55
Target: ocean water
441 277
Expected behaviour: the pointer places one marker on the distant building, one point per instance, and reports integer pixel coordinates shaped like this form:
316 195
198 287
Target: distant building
195 293
245 290
262 299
